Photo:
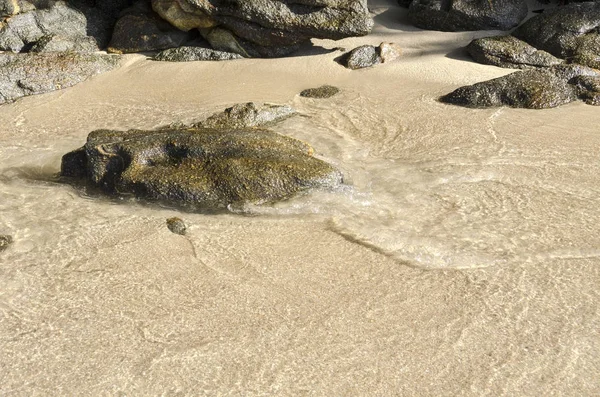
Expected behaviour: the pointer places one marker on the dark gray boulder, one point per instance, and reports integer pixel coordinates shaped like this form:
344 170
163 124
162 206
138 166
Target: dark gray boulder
200 167
247 115
509 52
140 29
568 32
5 241
324 91
267 27
459 15
29 74
189 54
533 89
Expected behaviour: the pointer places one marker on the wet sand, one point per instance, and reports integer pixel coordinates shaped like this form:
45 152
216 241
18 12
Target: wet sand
98 297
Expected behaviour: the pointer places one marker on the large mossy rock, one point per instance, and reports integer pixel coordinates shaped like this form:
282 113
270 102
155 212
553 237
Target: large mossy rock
29 74
532 89
459 15
509 52
569 32
200 167
267 27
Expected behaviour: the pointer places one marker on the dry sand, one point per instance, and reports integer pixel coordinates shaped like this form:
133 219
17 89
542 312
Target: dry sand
97 297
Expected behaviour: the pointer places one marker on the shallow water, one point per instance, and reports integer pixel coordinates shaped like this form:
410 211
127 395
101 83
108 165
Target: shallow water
431 185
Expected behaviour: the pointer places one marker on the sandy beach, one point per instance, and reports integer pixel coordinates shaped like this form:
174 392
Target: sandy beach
463 257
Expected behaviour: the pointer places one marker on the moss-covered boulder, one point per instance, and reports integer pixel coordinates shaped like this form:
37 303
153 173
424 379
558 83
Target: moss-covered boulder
509 52
533 89
201 167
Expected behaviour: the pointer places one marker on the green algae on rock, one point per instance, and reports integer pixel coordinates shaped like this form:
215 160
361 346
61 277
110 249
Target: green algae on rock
324 91
532 89
203 167
191 54
5 241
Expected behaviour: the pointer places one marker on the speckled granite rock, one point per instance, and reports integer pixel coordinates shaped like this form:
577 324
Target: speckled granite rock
459 15
247 115
200 167
509 52
29 74
190 54
568 32
533 89
267 28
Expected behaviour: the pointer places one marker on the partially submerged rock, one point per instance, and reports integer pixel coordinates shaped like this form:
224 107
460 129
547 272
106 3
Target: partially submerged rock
533 89
5 241
267 28
200 167
177 226
188 54
29 74
459 15
509 52
247 115
324 91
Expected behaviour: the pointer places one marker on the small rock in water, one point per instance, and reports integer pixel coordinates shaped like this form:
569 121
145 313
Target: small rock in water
5 241
189 54
176 225
325 91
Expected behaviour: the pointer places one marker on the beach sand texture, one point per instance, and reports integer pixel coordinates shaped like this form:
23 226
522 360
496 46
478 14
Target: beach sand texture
462 259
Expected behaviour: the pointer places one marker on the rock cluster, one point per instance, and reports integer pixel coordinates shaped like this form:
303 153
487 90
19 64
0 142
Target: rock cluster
561 45
266 28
